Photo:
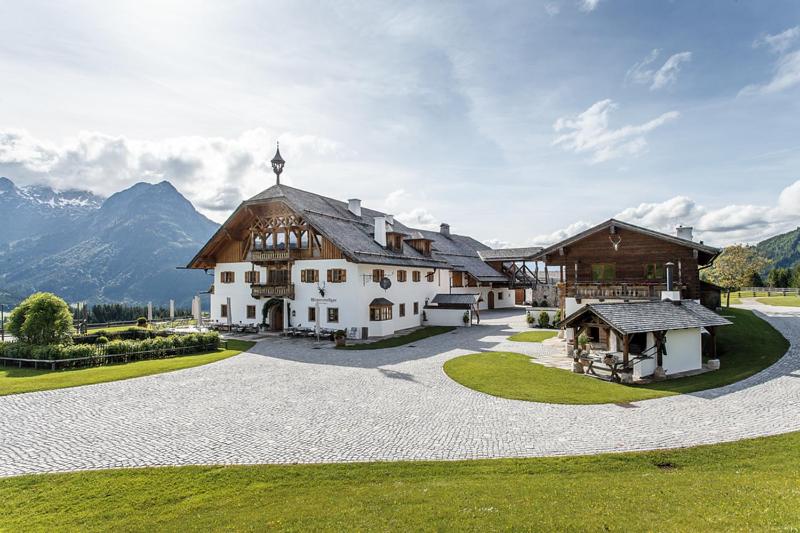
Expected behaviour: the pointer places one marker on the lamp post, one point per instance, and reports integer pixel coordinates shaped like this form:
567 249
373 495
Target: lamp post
2 322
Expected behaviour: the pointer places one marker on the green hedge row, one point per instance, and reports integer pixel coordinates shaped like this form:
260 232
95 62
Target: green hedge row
159 346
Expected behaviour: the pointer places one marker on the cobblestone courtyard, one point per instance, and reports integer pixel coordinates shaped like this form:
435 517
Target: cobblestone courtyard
286 402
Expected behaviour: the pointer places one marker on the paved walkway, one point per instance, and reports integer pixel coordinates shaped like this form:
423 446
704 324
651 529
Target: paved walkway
287 403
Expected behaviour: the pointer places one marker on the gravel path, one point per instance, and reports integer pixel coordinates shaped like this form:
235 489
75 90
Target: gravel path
285 402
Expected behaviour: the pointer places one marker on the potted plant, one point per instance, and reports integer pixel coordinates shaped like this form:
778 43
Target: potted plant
529 318
340 337
465 318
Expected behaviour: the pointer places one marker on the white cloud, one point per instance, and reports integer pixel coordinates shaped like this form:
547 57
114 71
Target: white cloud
418 217
719 226
588 132
588 5
215 173
497 244
546 239
787 74
552 8
666 75
779 42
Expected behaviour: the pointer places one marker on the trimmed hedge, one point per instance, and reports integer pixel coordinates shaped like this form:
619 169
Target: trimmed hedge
158 346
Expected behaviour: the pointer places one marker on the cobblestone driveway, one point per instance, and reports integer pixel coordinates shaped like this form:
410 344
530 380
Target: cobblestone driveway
288 403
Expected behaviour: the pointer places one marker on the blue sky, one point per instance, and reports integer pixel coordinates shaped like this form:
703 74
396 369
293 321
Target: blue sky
516 122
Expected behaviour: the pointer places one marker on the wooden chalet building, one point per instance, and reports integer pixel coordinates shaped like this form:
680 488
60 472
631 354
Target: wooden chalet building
286 255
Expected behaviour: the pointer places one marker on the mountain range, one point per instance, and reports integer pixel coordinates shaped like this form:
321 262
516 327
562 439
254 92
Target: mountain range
783 249
126 248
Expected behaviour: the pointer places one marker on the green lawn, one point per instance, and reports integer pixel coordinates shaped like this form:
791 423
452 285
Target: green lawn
393 342
744 348
785 301
533 336
751 485
116 329
18 380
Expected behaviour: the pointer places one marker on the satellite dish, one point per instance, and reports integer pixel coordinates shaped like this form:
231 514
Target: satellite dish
386 283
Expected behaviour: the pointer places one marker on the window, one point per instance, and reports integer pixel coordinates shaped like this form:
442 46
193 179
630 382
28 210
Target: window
312 314
458 279
377 275
333 314
223 311
429 277
654 271
278 277
378 313
251 311
604 272
500 295
401 276
415 275
416 308
337 275
227 277
402 309
252 276
309 275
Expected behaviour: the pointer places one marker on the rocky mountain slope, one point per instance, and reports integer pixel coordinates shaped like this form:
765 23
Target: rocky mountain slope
124 249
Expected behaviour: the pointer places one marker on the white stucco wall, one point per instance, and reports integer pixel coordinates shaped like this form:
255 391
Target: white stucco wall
446 317
684 353
506 301
352 297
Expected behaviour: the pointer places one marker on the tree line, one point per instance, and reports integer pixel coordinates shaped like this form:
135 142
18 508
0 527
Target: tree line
100 313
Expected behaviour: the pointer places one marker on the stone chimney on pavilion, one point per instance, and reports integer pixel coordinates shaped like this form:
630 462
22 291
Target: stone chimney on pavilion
444 229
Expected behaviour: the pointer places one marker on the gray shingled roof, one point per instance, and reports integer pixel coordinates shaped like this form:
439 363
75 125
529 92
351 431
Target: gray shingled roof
455 299
379 302
510 254
640 317
354 235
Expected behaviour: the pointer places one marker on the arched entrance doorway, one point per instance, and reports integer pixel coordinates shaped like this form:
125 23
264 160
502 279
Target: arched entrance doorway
273 314
491 300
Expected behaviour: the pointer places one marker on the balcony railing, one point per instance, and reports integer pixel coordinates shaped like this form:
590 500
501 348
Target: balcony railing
285 290
632 289
258 256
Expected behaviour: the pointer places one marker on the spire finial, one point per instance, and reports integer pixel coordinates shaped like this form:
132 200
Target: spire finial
277 163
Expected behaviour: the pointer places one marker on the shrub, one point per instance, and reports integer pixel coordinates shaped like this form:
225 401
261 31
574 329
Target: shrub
534 303
529 318
77 351
557 317
141 322
544 319
544 303
42 318
101 340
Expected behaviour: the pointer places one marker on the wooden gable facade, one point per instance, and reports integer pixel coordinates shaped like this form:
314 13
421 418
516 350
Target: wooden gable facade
264 232
617 260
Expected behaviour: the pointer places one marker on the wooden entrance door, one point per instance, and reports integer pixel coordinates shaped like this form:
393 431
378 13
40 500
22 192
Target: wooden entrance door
491 299
276 318
519 296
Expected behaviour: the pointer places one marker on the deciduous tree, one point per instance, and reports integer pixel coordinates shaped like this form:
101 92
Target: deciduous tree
735 267
42 318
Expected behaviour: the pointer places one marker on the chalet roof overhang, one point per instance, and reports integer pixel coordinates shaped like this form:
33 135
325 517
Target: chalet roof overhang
706 253
643 317
511 254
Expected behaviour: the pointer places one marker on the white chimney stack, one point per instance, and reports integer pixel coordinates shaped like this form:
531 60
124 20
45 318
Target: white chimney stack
444 229
380 231
354 206
684 232
390 220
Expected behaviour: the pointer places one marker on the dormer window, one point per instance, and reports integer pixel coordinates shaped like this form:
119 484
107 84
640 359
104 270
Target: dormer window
394 241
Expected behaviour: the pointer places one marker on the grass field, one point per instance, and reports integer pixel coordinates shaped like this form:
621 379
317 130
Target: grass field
18 380
394 342
744 348
784 301
751 485
533 336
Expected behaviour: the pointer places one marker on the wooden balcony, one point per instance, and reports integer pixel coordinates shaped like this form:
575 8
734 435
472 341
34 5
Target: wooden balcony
266 256
634 289
285 290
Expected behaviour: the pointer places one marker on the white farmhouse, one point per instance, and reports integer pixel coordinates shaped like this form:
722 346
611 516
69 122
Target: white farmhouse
286 255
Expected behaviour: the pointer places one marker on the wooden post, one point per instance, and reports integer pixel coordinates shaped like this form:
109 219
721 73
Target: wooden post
712 331
626 347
